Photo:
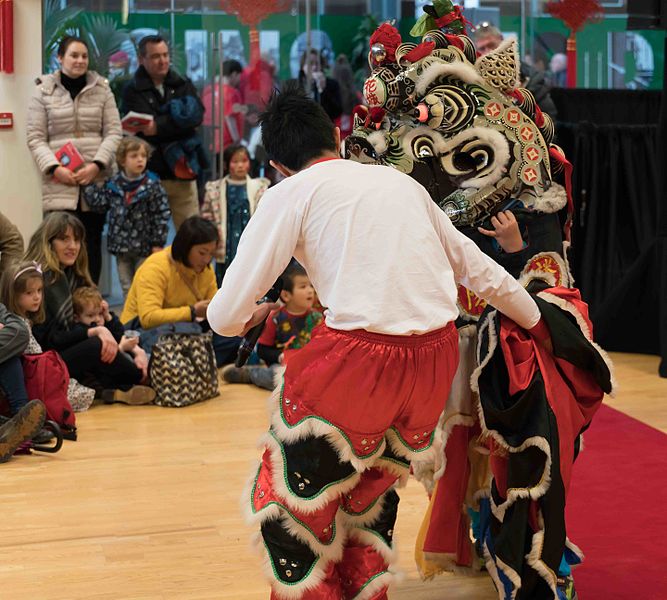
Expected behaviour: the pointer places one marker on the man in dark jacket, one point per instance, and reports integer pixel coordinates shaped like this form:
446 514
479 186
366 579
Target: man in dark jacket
152 91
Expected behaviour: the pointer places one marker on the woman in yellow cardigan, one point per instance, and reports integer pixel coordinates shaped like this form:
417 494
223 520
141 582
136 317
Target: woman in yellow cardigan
172 288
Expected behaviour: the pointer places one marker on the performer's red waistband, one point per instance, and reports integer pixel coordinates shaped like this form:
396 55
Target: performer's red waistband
405 341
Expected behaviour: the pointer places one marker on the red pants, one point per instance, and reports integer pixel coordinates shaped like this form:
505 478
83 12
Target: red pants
354 410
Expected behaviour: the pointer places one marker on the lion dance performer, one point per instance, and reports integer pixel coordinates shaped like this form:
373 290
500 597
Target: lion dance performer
511 429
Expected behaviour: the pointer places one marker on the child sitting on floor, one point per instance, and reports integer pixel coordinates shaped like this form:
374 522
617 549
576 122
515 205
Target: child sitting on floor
91 310
287 330
22 293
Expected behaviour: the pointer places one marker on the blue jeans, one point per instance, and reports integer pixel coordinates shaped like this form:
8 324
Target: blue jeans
13 384
225 348
264 376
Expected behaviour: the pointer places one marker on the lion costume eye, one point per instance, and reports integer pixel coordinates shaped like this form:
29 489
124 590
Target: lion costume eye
474 158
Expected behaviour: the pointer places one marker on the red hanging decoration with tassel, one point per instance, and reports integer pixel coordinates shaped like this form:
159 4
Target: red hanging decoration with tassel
6 36
575 14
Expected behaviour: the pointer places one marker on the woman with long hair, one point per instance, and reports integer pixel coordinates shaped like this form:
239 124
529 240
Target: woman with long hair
91 355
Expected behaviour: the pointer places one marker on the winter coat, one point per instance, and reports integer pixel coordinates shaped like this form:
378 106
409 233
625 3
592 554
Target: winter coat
215 206
138 212
141 95
14 336
90 121
11 243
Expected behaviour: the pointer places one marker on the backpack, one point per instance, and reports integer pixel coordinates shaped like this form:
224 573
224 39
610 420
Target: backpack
47 378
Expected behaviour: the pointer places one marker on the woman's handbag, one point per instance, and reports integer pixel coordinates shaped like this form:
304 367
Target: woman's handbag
182 369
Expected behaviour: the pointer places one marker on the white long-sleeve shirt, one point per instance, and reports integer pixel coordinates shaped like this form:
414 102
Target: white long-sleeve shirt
381 255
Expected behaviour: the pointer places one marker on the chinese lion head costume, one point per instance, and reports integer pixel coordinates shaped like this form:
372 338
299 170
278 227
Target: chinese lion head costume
459 124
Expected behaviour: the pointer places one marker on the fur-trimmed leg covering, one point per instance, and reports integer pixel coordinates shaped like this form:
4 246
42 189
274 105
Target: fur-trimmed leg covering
369 552
296 571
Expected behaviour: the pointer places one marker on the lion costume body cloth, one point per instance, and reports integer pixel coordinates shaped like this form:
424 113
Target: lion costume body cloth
512 424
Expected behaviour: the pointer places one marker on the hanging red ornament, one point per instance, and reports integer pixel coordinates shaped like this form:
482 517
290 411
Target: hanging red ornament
575 14
252 14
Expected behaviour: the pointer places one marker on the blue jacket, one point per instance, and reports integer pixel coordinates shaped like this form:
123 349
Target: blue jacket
138 212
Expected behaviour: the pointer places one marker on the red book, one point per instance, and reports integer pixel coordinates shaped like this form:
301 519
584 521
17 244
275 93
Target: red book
134 121
69 157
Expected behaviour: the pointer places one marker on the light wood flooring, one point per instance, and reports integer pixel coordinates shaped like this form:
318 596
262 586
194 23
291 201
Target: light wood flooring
145 505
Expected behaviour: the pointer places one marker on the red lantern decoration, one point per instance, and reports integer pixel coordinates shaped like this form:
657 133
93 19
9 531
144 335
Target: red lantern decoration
251 14
6 36
575 14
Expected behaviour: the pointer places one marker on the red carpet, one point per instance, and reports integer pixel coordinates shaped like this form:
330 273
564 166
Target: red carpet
617 510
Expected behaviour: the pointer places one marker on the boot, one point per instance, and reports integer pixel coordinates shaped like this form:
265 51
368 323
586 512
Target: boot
21 428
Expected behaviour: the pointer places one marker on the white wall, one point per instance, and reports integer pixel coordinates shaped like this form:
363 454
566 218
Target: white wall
20 189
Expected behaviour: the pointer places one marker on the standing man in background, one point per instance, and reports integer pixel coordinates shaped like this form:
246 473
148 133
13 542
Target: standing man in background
153 90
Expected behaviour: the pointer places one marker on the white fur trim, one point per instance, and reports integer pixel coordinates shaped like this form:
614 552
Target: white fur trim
537 442
511 574
534 559
427 454
330 552
293 501
501 147
375 586
460 70
317 427
282 590
378 140
551 200
370 538
366 518
574 548
527 276
566 306
442 146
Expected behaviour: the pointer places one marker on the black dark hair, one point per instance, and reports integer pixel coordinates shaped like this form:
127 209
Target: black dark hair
229 152
291 273
192 231
231 66
295 129
149 39
67 41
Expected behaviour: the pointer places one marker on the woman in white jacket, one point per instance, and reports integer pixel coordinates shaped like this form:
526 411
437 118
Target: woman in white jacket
74 105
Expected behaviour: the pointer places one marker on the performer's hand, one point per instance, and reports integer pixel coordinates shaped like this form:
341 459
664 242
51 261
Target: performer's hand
505 231
260 315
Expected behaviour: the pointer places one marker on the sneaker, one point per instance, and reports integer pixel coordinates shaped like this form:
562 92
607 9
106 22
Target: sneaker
232 374
565 588
135 396
23 427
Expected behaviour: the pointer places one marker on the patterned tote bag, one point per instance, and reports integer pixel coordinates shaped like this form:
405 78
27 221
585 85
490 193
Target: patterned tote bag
182 369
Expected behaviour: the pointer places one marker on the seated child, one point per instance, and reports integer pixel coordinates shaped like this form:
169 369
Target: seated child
22 292
91 310
137 206
287 330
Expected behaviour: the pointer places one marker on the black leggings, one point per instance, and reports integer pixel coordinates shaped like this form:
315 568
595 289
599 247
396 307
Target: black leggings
83 362
93 224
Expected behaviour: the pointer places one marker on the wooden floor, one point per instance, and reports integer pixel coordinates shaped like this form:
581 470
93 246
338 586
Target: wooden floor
145 505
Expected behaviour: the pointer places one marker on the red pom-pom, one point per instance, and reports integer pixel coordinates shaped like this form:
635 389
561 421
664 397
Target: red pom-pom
389 37
377 114
424 49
